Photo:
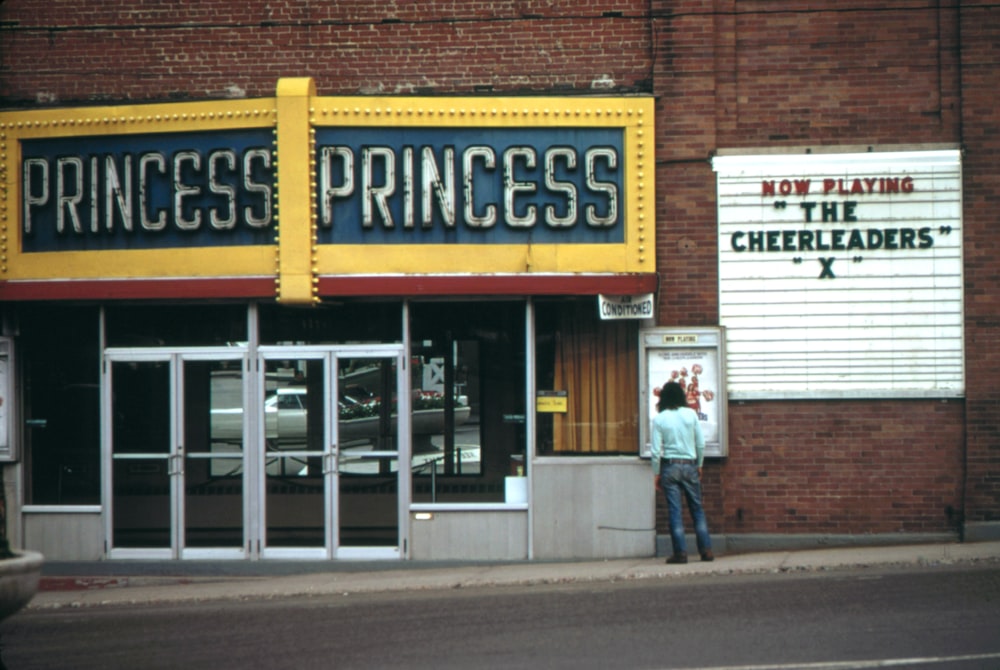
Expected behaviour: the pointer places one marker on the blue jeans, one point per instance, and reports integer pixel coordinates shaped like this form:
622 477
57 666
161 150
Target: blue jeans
675 478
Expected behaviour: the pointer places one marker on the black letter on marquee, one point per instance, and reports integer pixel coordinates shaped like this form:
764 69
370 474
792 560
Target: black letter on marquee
827 272
808 208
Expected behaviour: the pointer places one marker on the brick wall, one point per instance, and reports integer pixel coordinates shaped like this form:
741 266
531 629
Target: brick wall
769 74
844 467
838 468
980 31
66 52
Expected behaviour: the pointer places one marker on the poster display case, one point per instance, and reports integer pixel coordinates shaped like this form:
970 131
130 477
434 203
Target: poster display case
695 359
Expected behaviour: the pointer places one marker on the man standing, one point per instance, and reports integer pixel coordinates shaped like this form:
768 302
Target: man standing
678 452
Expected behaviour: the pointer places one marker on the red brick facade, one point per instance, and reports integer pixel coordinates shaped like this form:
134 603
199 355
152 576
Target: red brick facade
761 74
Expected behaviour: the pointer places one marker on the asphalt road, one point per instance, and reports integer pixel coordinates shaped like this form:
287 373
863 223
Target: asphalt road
933 617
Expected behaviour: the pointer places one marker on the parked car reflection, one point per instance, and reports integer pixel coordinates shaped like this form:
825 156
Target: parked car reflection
360 425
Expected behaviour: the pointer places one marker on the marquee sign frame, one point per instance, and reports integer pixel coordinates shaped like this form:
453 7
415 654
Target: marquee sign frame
543 182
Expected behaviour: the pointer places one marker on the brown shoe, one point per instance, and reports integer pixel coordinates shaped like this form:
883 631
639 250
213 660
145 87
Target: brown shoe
707 556
678 558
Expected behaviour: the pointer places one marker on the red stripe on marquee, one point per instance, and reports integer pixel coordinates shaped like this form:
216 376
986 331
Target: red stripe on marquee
418 285
134 289
344 285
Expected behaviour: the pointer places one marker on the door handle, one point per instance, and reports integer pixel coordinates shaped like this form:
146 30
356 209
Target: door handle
330 461
175 464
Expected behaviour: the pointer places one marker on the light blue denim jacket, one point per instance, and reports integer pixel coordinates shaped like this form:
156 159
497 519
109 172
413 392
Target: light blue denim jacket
677 434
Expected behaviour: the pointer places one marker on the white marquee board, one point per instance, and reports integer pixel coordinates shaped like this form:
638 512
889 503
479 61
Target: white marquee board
840 274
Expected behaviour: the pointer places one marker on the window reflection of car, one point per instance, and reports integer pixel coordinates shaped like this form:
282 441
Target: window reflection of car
286 413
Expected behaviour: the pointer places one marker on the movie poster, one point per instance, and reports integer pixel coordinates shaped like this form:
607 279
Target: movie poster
697 372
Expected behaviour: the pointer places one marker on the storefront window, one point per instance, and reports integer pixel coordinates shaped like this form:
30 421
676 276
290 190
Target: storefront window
59 353
176 325
341 323
592 367
468 381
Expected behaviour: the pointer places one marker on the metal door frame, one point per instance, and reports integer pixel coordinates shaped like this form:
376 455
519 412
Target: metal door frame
331 355
254 481
175 459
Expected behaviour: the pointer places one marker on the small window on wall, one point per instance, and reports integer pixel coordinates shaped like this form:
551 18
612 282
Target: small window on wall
468 381
59 354
587 371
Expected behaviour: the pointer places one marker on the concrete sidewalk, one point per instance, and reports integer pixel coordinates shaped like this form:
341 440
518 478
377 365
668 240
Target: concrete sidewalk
124 583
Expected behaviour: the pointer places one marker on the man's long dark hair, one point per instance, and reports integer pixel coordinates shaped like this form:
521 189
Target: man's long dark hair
672 396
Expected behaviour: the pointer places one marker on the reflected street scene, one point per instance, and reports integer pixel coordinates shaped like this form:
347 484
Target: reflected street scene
361 415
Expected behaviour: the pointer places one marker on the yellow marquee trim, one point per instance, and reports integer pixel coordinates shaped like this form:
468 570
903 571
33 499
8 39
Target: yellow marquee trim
168 263
296 260
635 115
296 189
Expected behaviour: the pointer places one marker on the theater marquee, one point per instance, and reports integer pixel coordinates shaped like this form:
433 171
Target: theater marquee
840 274
300 196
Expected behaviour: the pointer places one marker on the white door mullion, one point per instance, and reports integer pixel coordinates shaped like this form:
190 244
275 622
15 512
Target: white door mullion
331 479
176 459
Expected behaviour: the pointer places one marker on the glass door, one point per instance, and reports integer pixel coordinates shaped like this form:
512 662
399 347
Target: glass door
329 451
213 477
301 460
144 463
174 432
295 453
371 493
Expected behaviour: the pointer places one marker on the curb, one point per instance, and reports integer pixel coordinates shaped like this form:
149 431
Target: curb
80 592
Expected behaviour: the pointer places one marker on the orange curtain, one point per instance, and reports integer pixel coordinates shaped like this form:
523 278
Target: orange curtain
596 362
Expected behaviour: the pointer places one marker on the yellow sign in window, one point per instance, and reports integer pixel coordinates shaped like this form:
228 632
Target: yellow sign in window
552 402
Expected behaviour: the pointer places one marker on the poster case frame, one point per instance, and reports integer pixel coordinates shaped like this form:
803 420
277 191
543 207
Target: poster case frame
690 356
8 408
